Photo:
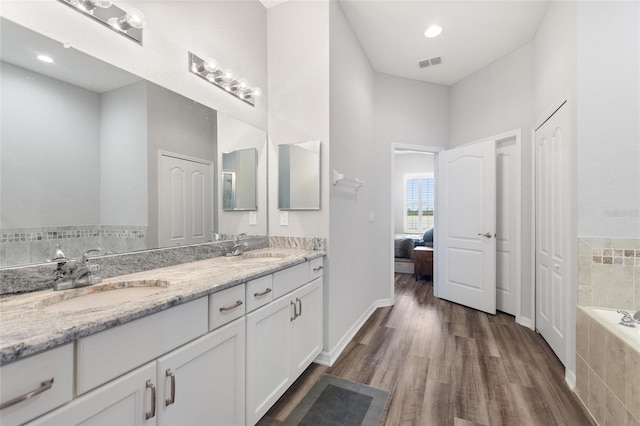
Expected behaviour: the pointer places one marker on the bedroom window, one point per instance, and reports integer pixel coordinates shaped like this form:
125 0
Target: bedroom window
418 202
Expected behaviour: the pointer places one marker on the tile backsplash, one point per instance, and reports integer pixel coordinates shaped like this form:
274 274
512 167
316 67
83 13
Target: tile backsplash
24 246
609 272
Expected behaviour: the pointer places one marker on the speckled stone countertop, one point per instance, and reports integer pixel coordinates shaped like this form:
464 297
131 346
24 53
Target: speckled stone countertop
26 328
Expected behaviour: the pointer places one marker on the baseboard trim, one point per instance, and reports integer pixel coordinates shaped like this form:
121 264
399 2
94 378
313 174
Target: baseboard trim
570 378
328 358
525 322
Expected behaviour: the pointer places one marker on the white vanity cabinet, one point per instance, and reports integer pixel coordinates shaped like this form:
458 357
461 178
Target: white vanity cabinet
202 383
283 338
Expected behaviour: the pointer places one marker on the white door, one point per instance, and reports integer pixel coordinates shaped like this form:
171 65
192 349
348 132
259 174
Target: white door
552 144
466 247
203 382
507 238
186 200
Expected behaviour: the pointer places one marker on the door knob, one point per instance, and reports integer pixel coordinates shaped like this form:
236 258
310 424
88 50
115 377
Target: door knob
486 234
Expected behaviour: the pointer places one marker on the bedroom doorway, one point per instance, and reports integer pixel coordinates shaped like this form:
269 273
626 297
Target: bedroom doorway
413 207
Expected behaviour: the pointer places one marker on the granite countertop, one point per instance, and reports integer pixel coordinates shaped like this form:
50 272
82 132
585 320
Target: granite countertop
27 328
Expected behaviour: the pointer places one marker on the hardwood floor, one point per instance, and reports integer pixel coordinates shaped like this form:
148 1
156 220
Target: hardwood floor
445 364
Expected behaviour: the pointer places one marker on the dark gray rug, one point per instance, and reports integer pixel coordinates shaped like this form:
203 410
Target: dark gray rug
334 401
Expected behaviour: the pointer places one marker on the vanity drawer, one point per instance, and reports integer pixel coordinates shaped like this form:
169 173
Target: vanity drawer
226 306
287 280
259 292
35 373
111 353
316 268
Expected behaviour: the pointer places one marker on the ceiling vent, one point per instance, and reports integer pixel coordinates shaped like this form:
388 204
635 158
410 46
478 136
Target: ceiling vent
429 62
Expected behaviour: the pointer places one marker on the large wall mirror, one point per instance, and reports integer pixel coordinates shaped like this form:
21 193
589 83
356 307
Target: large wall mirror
299 176
88 150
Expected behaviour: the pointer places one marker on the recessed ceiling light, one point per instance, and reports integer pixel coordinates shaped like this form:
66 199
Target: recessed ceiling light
433 31
45 58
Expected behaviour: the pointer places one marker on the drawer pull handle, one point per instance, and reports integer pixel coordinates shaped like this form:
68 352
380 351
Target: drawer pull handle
152 413
319 268
171 400
44 386
295 311
228 308
267 291
299 302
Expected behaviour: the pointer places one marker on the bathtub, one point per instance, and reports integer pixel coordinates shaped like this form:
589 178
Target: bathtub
611 320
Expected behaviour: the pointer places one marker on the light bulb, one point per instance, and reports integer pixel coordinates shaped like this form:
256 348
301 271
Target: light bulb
210 65
257 92
228 74
242 83
133 19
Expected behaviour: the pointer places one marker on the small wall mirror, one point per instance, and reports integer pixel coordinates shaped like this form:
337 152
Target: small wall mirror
239 170
299 176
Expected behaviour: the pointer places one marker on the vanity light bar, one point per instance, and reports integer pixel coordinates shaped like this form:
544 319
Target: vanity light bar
127 23
210 72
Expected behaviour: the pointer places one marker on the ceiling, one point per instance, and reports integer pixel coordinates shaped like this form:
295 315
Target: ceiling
475 34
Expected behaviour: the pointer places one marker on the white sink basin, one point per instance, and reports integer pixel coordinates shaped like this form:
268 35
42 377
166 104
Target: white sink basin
100 296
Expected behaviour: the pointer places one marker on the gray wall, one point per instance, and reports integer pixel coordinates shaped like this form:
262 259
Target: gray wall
123 156
50 151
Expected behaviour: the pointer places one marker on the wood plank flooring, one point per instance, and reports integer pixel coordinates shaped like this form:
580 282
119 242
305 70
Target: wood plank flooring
445 364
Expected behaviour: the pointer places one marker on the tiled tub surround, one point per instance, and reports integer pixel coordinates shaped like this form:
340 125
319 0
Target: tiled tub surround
39 277
607 369
35 245
28 329
609 272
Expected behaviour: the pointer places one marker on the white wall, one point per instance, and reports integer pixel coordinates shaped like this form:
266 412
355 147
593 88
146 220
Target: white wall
235 135
46 122
298 43
233 32
411 112
495 99
608 120
123 156
355 242
407 164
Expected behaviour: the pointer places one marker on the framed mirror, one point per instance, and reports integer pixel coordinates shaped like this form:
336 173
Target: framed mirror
81 143
239 179
299 176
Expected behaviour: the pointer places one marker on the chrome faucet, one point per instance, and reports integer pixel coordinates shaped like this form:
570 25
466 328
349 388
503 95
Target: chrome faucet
70 274
627 320
238 248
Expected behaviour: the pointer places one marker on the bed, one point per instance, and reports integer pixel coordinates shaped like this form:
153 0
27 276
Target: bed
404 244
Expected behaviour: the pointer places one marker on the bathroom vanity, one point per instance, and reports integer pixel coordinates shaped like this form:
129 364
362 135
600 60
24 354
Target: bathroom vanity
216 341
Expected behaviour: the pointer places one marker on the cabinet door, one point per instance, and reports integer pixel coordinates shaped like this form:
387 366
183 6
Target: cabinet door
268 356
202 383
307 327
124 401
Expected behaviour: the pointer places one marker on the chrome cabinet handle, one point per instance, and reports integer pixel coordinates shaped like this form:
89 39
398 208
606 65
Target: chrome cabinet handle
295 311
486 234
44 386
266 291
171 400
228 308
319 268
299 302
152 413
